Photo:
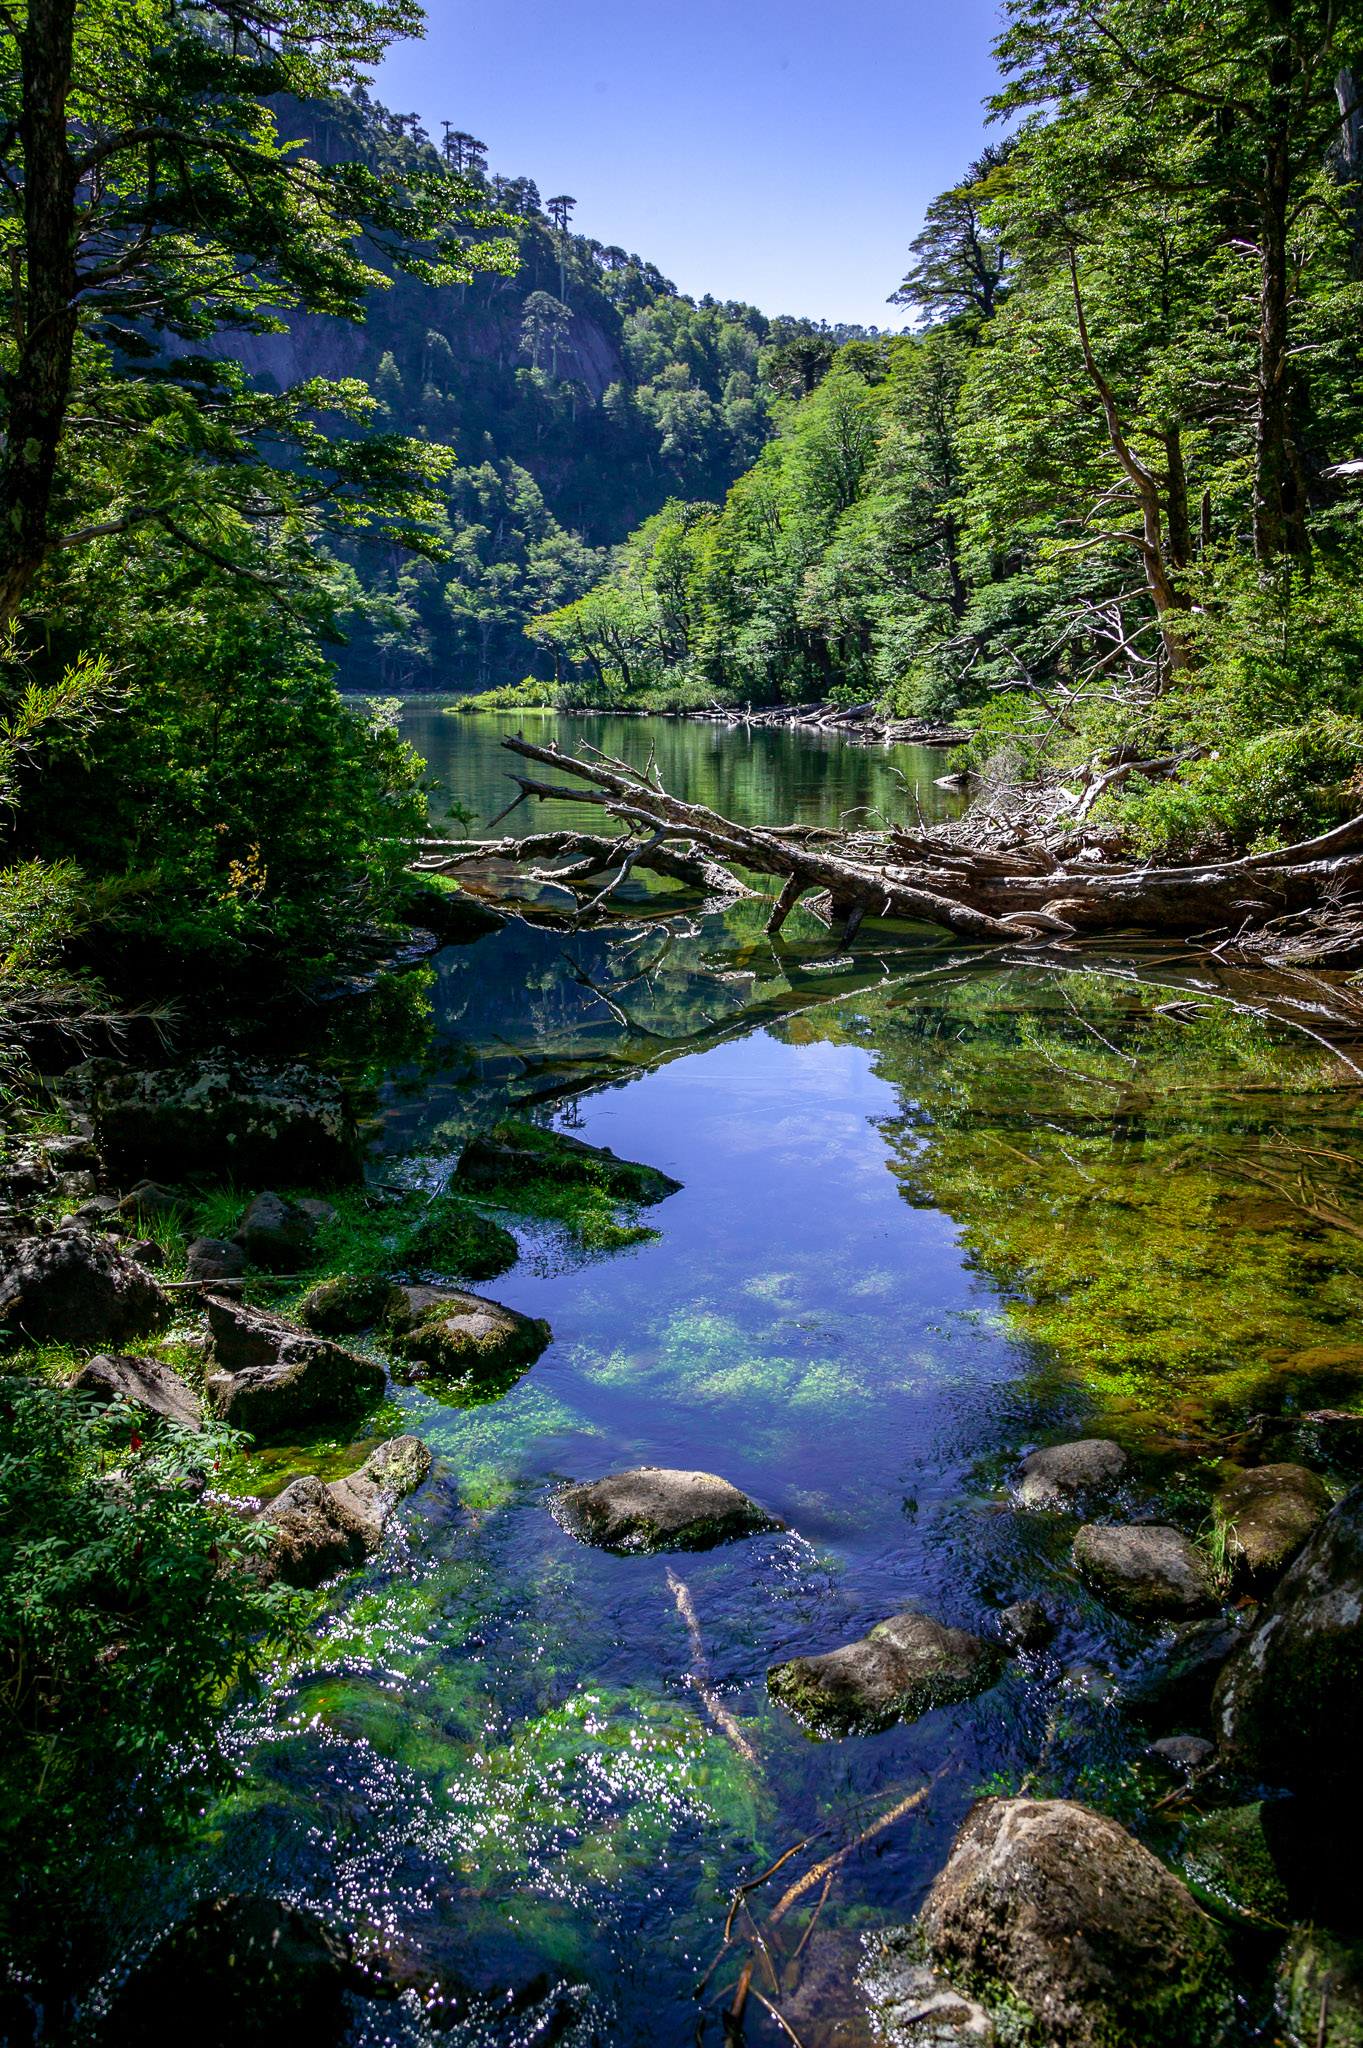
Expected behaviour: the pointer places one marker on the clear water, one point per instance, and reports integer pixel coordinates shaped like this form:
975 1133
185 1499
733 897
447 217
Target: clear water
936 1209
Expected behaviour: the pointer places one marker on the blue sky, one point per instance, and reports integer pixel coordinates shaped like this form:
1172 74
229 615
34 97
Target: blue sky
779 153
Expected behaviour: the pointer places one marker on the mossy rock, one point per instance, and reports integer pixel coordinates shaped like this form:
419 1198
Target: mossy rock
1320 1991
1227 1862
346 1302
517 1151
451 1237
467 1337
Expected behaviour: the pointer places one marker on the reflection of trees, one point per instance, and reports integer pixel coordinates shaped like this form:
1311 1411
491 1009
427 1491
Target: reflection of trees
1131 1172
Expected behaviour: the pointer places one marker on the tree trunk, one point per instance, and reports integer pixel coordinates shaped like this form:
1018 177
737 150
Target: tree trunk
1279 514
38 392
1176 493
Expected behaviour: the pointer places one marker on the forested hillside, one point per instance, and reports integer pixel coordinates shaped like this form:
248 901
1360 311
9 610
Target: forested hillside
577 394
1107 495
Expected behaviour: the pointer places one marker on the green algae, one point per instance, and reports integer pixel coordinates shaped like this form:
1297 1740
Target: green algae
1165 1195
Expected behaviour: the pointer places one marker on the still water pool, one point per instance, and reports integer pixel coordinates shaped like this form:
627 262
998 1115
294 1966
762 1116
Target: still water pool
937 1208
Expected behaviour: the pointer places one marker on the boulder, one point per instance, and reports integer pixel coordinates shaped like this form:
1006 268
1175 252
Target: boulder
516 1150
270 1377
1267 1513
1286 1705
1060 1475
351 1301
75 1288
1319 1999
146 1251
214 1258
275 1233
450 1236
240 1972
1026 1625
149 1202
232 1117
1228 1861
1145 1569
1058 1915
470 1337
144 1382
654 1508
396 1468
313 1535
903 1668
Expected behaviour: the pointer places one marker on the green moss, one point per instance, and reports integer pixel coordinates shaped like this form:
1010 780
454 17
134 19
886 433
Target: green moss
1227 1862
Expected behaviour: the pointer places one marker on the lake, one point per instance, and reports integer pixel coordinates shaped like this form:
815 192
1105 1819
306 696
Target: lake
938 1207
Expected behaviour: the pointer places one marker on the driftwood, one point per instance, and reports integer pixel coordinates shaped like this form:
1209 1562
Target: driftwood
1022 892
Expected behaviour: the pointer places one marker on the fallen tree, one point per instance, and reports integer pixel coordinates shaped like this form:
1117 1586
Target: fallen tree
1044 886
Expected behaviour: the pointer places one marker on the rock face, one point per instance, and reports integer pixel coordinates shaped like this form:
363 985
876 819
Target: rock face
1268 1513
1049 1907
1287 1703
231 1116
1145 1568
468 1336
240 1972
214 1258
903 1668
396 1468
1059 1476
73 1288
654 1508
144 1382
1320 1991
276 1233
349 1301
522 1151
270 1377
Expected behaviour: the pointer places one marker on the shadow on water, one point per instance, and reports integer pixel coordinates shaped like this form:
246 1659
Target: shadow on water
925 1224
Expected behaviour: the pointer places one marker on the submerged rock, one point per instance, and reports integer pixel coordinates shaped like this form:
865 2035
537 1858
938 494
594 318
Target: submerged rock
515 1151
276 1233
396 1468
349 1302
914 2005
240 1971
1059 1915
1145 1568
75 1288
468 1336
1319 1998
231 1116
1026 1624
1287 1704
654 1508
1176 1681
1267 1513
214 1258
144 1382
271 1377
903 1668
1060 1475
